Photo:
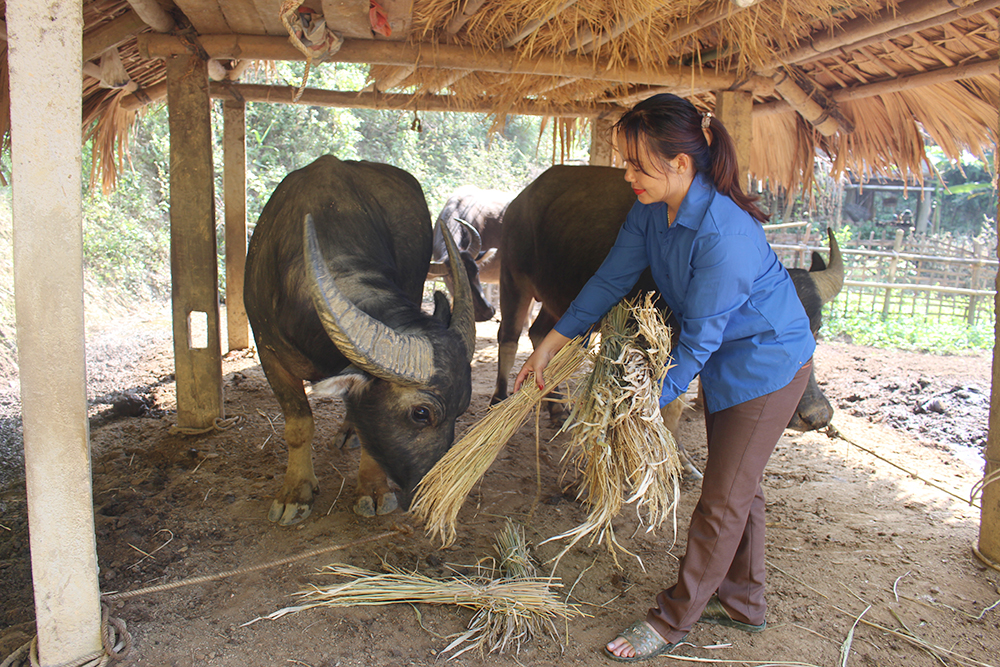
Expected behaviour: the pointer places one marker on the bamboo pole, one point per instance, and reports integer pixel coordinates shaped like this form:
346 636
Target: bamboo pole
943 75
863 27
448 56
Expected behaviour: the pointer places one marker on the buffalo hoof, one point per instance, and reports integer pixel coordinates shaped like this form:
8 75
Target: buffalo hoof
691 474
365 505
288 514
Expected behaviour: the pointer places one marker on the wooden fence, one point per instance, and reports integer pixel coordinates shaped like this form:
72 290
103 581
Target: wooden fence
939 278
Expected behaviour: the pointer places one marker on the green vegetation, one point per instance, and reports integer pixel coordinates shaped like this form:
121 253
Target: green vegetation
907 331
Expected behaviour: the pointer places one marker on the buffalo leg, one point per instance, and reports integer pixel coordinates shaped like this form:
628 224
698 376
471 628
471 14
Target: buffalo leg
294 501
536 332
671 414
374 495
514 305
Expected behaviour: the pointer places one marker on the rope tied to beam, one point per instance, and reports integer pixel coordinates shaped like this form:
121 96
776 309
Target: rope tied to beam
308 32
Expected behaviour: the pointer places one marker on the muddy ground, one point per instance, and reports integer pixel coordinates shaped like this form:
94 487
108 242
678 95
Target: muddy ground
874 519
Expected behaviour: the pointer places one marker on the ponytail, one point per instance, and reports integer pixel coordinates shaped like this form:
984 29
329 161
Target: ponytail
670 125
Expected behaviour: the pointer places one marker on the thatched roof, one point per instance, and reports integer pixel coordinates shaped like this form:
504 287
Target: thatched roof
863 80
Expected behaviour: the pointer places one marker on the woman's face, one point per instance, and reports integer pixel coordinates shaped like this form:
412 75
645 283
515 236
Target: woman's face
662 180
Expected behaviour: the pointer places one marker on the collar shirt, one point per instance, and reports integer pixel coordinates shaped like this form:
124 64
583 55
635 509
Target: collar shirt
742 326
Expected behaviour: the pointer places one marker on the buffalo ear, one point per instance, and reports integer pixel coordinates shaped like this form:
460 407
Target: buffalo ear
442 308
352 379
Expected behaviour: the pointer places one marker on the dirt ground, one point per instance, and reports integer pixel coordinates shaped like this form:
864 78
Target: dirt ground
874 522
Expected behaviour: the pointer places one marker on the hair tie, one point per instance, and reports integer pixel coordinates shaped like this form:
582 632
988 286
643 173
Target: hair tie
706 124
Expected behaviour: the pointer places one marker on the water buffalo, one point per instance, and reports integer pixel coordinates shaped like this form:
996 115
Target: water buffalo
556 233
334 280
474 216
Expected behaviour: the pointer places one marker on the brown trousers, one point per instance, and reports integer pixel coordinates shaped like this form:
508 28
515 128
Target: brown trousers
725 546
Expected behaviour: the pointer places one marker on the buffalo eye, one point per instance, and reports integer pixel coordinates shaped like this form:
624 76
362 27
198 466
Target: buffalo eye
421 414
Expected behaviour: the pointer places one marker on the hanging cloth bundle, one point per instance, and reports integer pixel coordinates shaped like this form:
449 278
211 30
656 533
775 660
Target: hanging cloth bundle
307 31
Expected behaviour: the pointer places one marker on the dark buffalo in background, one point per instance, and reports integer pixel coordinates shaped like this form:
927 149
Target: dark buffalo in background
334 281
478 240
556 233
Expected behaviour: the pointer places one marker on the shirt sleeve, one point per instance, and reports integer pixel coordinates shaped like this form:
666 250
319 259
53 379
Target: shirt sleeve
614 279
722 274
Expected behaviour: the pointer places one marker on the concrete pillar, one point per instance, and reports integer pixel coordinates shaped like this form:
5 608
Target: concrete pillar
600 140
734 109
235 200
45 42
197 346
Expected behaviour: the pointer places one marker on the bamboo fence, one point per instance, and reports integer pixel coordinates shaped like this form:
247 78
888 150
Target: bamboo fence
939 278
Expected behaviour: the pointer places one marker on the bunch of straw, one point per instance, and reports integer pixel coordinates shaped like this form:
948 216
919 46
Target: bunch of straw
512 604
620 446
496 629
443 490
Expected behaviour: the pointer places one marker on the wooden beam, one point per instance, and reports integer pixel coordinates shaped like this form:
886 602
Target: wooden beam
447 56
734 110
111 34
195 293
234 186
943 75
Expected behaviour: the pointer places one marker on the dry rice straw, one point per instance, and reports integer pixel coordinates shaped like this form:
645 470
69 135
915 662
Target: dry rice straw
621 448
511 602
441 493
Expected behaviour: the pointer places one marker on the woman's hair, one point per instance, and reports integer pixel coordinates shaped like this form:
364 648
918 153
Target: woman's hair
668 126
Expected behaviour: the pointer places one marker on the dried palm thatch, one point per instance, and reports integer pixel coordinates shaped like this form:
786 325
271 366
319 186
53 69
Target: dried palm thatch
512 604
440 494
620 446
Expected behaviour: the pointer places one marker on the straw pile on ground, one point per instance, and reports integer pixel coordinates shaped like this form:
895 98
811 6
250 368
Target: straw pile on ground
621 449
512 604
442 491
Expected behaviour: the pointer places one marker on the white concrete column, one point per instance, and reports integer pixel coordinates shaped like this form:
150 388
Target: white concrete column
45 42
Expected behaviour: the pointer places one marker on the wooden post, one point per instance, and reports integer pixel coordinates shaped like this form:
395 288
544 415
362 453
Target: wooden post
197 347
235 200
897 245
45 107
989 522
601 150
734 109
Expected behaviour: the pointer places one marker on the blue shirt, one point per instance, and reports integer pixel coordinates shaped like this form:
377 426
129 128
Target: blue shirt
742 326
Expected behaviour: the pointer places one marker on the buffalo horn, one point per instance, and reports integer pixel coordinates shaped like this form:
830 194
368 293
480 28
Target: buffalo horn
438 269
475 240
368 343
463 317
830 280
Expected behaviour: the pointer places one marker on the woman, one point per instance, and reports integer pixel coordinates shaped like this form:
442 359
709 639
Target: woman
742 328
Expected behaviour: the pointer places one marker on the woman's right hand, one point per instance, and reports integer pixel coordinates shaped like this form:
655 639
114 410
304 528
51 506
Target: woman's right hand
540 358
